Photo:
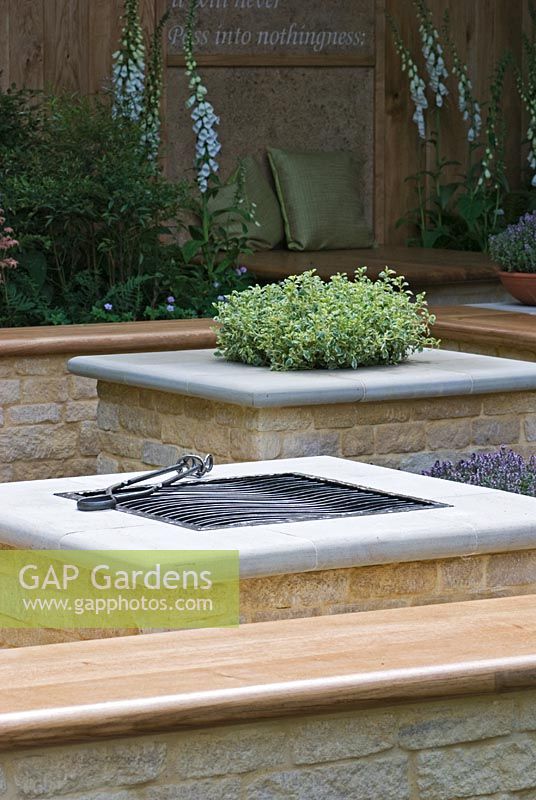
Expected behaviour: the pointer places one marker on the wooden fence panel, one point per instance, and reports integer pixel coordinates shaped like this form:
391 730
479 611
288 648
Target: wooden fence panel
26 43
69 44
66 44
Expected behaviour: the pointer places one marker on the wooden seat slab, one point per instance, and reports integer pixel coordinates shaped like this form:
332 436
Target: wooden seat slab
485 326
421 267
108 337
170 681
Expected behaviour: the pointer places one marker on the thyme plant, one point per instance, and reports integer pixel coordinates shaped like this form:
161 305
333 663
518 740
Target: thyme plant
305 323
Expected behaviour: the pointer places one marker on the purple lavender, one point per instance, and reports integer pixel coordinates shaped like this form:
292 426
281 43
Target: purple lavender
515 247
503 469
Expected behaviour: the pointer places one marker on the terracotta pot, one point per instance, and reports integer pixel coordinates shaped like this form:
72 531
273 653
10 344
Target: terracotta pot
521 285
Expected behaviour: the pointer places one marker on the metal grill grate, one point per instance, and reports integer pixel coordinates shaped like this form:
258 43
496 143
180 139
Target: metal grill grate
261 500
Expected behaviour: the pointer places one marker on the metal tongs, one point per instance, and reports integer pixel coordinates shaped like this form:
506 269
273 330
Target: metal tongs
188 466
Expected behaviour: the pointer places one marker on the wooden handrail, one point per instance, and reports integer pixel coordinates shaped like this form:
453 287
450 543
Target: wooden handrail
172 681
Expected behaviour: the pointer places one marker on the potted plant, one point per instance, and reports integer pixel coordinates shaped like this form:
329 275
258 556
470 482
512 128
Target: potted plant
514 249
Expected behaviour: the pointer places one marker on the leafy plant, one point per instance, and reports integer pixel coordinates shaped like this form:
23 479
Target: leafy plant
527 89
304 323
96 220
88 207
515 248
214 247
454 211
503 469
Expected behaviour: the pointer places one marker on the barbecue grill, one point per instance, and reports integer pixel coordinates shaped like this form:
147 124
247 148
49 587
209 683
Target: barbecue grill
189 500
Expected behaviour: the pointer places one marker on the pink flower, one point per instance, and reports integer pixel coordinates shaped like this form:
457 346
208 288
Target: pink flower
7 242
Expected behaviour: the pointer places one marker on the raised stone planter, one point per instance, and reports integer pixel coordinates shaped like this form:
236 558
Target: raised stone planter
480 544
155 407
47 415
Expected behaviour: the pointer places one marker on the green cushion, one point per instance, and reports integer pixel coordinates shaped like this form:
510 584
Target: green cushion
270 231
321 197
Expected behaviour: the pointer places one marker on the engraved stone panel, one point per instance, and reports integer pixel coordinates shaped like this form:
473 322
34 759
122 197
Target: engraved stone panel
277 26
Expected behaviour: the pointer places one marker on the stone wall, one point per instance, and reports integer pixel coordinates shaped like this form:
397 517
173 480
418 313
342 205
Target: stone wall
342 591
474 747
142 428
47 419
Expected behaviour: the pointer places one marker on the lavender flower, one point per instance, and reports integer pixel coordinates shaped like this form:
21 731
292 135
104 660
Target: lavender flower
515 247
108 307
128 72
170 308
503 469
170 300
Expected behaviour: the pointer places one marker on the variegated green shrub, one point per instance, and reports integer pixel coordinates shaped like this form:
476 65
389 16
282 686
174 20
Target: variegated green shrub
305 323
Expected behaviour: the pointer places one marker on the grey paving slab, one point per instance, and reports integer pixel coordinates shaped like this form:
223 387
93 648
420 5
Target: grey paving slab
433 373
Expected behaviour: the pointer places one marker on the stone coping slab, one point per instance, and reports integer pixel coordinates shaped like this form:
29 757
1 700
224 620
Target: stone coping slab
199 373
475 521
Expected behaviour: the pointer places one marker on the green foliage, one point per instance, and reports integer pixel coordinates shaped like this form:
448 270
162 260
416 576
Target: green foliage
458 206
304 323
88 208
214 246
102 234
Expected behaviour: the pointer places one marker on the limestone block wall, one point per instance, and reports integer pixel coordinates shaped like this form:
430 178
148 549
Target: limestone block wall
140 429
342 591
471 747
47 419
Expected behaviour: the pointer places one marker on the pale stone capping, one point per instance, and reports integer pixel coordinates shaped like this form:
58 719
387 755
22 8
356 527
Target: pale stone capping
199 374
472 521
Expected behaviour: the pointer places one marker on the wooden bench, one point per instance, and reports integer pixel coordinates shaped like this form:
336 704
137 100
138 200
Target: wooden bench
488 331
108 337
448 276
194 679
